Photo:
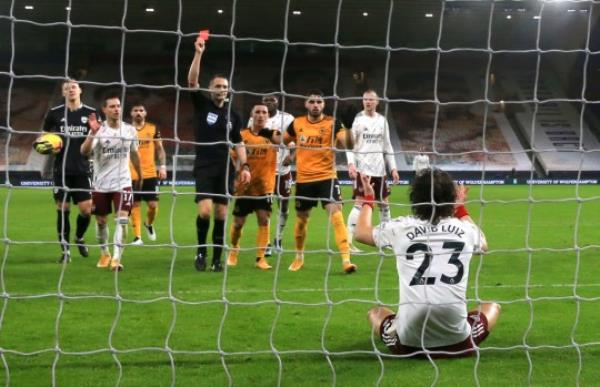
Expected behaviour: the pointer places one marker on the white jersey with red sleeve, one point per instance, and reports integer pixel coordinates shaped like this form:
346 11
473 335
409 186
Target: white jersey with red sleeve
111 148
372 145
433 270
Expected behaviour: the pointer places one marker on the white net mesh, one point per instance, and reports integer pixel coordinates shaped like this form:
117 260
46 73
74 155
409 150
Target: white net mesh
494 91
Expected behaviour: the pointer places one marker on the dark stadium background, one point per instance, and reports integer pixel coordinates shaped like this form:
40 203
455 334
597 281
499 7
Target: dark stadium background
310 53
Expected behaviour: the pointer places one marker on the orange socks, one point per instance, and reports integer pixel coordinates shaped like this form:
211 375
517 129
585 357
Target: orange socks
262 239
136 221
341 235
300 235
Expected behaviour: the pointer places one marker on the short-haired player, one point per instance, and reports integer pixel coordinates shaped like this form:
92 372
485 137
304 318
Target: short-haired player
256 196
112 144
150 148
280 121
315 135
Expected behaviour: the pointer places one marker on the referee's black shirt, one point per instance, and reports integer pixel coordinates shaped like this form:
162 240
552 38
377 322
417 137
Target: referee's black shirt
214 124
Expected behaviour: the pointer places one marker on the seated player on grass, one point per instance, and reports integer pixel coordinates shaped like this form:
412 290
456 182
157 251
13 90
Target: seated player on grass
433 249
256 196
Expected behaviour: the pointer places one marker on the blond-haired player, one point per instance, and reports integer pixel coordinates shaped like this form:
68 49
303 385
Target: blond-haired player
150 147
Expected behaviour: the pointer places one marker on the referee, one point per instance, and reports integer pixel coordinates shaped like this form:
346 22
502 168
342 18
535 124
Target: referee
216 126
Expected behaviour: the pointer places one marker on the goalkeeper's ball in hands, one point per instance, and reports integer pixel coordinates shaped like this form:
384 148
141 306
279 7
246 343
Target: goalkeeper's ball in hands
48 143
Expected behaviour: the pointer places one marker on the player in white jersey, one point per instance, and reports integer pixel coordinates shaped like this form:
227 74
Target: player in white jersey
280 120
433 249
112 144
372 150
420 162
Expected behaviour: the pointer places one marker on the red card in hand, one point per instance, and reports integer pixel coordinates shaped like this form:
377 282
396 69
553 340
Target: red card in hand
203 34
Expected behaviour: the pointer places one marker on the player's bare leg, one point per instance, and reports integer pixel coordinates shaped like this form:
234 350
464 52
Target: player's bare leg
491 311
136 223
376 316
151 213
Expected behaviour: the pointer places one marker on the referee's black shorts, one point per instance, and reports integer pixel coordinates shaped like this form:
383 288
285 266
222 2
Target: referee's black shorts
214 183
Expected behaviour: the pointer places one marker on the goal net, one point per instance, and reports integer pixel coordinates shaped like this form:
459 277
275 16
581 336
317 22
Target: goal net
501 94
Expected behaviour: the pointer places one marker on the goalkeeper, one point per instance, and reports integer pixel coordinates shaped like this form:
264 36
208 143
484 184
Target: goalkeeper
71 172
433 249
256 196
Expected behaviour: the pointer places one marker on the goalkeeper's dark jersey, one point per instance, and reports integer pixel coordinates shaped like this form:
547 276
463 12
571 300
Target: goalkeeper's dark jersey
73 133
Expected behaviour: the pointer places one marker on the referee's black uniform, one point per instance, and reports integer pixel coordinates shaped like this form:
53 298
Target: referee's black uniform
213 169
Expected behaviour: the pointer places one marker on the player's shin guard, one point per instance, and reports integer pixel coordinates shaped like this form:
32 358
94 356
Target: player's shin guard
202 225
385 215
120 235
83 222
341 235
136 221
218 237
63 228
262 239
300 236
352 220
151 215
102 237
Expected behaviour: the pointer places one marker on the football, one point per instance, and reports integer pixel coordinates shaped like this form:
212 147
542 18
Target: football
48 143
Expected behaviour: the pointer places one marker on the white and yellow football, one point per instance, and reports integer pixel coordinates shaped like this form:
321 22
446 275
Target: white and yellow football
48 143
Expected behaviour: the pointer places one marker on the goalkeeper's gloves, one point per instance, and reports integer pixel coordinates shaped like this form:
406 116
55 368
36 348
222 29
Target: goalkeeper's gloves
43 147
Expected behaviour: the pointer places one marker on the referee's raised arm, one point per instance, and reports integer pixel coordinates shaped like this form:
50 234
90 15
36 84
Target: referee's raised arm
194 72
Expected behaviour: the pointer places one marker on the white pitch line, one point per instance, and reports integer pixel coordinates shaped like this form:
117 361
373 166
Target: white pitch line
305 290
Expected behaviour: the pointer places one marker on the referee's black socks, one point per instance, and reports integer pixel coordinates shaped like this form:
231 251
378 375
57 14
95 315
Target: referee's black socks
218 236
202 225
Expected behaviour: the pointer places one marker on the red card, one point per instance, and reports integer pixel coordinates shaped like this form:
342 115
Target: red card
203 34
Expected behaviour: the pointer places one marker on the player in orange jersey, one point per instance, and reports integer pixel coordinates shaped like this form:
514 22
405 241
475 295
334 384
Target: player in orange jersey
150 146
315 135
256 196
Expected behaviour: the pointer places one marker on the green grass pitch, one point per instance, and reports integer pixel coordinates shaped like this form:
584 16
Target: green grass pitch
308 328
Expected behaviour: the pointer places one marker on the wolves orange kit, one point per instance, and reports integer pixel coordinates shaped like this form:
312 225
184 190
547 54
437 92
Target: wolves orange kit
315 158
262 157
147 137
